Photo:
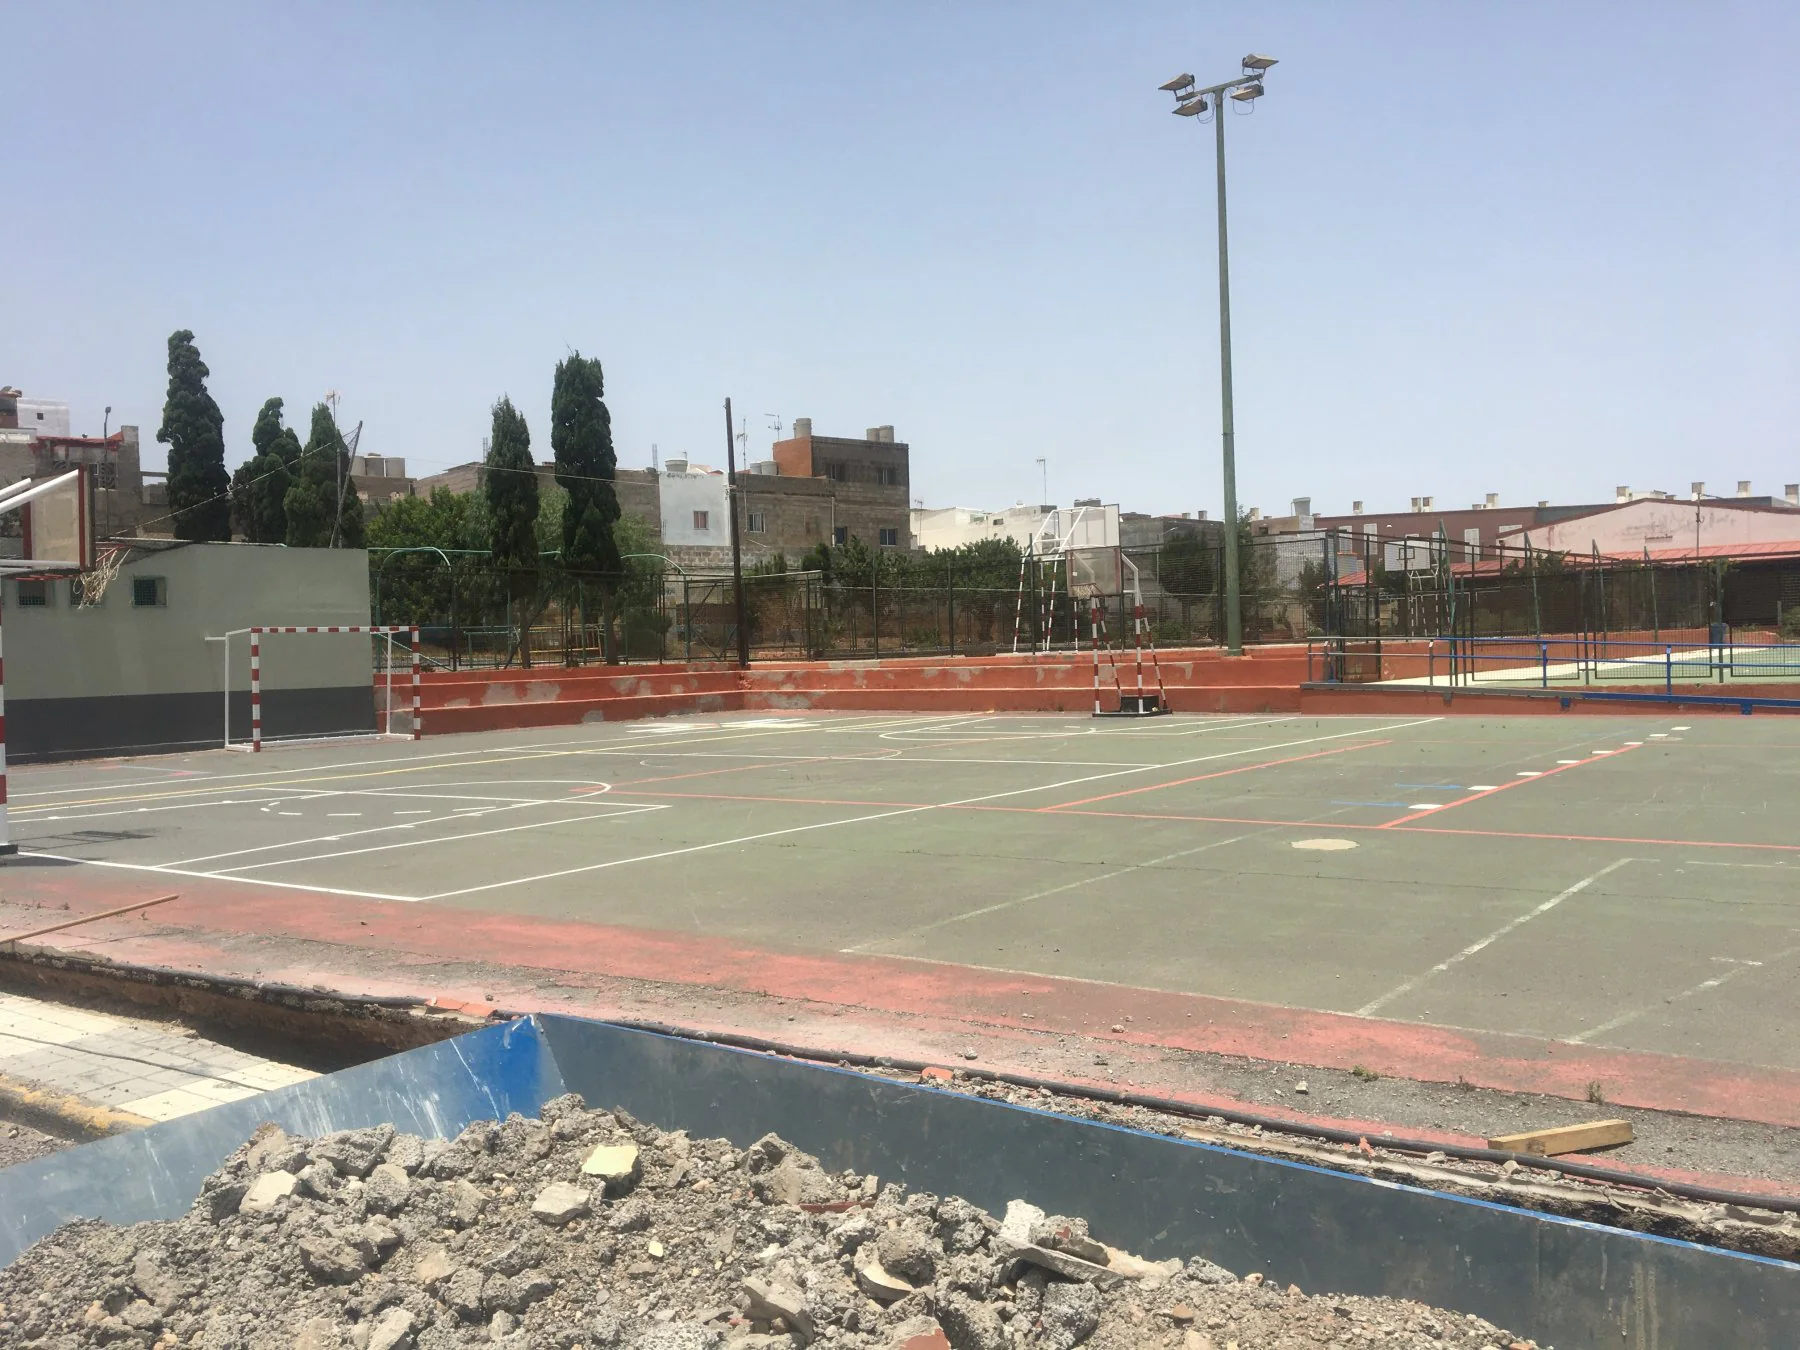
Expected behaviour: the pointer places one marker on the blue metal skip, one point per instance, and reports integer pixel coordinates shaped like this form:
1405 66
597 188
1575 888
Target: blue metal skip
1557 1280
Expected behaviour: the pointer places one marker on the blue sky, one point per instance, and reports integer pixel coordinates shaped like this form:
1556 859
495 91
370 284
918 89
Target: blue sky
1538 249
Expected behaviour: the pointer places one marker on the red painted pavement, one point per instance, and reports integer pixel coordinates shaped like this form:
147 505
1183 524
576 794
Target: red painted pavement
878 994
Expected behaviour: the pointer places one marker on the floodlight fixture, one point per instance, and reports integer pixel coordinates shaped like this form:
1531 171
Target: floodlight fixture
1179 82
1245 92
1259 63
1193 109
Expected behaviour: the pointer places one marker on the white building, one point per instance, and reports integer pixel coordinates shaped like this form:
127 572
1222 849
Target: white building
1668 526
695 507
43 417
954 526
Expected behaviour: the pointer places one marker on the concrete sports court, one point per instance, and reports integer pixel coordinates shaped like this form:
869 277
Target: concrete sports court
1620 882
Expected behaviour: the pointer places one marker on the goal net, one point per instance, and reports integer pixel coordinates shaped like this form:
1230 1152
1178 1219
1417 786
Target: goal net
368 692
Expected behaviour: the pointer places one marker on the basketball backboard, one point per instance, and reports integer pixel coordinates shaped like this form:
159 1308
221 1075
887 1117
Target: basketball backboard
1094 573
1070 528
47 525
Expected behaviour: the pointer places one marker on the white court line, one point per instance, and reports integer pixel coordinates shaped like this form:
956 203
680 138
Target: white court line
676 852
302 843
1737 968
924 928
208 876
1197 759
1368 1009
435 843
148 810
296 778
880 815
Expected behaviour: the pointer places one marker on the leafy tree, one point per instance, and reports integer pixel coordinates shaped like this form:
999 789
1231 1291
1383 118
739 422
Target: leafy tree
425 588
643 627
194 430
510 486
1188 565
581 441
260 485
312 500
553 510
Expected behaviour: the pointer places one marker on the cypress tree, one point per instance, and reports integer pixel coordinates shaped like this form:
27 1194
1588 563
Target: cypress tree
194 430
259 487
511 489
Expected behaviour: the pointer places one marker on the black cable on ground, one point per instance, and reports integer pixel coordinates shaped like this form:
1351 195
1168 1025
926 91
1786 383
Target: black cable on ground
1274 1124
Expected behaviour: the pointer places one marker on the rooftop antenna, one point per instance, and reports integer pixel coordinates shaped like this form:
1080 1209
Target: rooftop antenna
655 462
1044 468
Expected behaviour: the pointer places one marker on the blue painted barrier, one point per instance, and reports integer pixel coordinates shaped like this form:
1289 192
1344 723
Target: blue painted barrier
1560 1281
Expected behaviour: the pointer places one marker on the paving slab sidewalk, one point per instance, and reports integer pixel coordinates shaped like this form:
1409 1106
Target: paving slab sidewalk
125 1067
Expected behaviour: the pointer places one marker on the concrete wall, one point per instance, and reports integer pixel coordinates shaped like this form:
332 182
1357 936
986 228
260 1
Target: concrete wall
1655 525
636 489
686 492
118 677
44 417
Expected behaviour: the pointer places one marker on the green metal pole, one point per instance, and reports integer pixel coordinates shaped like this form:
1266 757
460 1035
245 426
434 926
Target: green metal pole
1234 619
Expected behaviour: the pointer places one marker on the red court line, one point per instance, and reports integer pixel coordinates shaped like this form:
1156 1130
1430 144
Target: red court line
1333 826
1221 773
1599 838
751 797
708 773
1516 782
1325 826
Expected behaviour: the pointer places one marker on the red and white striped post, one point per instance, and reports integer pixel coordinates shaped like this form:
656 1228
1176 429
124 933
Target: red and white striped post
1094 635
418 730
256 690
1137 641
6 843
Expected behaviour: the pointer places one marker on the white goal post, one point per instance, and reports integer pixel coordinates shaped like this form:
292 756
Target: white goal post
386 631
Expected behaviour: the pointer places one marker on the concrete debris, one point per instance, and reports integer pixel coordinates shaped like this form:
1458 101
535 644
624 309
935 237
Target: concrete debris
591 1229
266 1190
614 1164
561 1201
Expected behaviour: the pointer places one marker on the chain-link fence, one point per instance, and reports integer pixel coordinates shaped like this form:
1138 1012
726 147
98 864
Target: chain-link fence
472 614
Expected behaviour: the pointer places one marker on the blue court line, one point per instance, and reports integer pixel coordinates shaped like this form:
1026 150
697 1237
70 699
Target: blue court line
1335 803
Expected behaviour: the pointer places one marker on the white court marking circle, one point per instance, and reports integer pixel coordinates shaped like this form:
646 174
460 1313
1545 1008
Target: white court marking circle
1325 845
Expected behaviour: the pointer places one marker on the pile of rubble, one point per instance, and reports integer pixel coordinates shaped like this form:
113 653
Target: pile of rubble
589 1229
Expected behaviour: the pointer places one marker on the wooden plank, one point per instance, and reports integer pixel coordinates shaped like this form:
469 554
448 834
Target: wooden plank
1566 1138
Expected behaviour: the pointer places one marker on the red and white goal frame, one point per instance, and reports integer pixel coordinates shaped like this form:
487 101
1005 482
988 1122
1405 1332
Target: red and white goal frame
255 744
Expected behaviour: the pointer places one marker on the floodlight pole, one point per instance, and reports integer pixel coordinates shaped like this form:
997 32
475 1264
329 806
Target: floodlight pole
1234 615
732 493
1193 102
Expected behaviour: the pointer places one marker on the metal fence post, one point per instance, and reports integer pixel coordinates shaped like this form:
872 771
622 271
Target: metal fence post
1669 669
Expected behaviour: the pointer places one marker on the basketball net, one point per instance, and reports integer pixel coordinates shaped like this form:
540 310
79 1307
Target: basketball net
94 583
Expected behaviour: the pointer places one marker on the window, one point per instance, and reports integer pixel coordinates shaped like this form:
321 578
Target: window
34 594
108 476
840 534
700 520
149 592
837 471
756 522
890 537
887 475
